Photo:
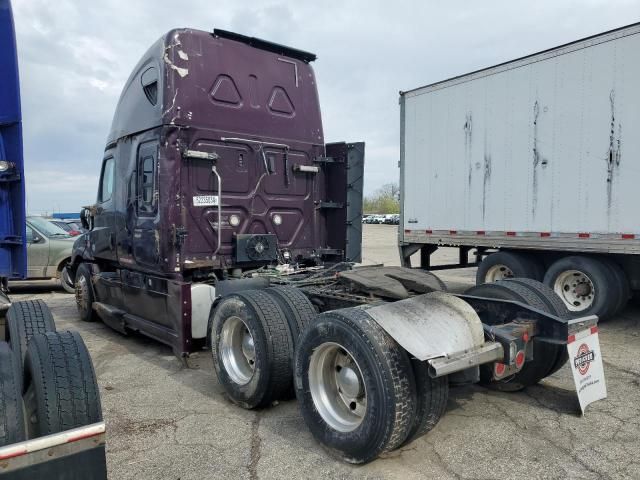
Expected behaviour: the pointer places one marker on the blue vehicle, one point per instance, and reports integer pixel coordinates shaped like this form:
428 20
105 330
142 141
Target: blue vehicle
13 256
41 435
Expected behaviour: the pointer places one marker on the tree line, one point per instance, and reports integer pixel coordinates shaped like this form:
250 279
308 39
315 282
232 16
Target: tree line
384 200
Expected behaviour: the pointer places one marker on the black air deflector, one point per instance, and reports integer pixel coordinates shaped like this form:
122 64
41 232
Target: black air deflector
265 45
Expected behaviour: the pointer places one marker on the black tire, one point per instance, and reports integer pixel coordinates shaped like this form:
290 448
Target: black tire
85 295
545 355
522 265
61 388
385 371
26 319
607 292
66 281
557 308
622 282
297 307
271 378
432 396
12 428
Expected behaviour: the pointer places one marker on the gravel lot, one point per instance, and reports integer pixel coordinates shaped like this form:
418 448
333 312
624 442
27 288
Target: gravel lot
168 420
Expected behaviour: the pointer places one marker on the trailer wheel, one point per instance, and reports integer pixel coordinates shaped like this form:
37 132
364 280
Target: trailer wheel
502 265
354 385
252 348
84 294
624 290
61 388
297 307
26 319
66 282
546 356
12 428
587 285
432 396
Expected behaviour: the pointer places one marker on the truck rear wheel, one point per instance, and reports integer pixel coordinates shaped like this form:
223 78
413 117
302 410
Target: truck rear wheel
501 265
354 385
297 308
587 285
432 396
84 294
546 356
252 348
61 388
26 319
12 428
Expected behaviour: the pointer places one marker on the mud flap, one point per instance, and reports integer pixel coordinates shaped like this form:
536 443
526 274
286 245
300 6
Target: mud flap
586 366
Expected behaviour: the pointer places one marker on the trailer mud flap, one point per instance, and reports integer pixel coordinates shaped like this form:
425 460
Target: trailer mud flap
586 366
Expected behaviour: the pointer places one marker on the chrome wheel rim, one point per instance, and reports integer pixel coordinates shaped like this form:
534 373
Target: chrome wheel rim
82 297
237 350
337 388
576 289
498 272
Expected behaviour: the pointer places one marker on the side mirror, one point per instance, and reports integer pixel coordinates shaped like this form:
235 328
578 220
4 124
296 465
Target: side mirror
36 238
86 218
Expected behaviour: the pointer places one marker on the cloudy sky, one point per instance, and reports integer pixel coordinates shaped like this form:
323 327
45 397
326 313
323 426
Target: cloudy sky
75 56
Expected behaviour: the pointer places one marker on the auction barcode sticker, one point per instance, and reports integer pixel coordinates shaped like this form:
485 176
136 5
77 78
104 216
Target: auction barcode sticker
205 201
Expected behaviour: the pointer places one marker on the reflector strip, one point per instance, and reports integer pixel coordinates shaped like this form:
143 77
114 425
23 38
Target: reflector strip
545 234
14 453
453 232
511 234
583 235
571 339
480 232
628 236
594 330
428 231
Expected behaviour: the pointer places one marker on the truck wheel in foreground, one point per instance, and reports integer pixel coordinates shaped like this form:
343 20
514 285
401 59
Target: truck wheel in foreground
546 356
26 319
296 306
12 428
252 348
502 265
432 396
61 388
354 385
84 294
587 285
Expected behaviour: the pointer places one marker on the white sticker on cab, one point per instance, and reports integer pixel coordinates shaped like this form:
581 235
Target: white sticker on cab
205 201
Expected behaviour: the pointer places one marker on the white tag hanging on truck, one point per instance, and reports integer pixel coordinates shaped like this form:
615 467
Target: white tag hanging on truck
205 201
586 364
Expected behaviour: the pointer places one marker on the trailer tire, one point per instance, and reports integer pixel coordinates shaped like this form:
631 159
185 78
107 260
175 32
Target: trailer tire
26 319
546 356
85 295
624 290
370 408
252 348
596 275
12 428
432 396
61 388
501 265
297 307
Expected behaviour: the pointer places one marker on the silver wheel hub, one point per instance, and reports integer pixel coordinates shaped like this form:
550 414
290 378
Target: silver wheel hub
498 272
237 350
337 388
576 290
82 289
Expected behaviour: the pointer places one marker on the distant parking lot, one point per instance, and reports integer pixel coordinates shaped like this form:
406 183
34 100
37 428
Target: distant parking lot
170 420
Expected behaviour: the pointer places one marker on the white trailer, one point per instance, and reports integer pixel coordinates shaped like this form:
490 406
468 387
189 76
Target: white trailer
533 165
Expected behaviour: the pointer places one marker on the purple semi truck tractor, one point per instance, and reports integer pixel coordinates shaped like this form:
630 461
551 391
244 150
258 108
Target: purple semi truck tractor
224 221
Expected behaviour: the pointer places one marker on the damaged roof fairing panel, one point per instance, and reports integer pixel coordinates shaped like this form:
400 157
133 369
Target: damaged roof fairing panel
432 325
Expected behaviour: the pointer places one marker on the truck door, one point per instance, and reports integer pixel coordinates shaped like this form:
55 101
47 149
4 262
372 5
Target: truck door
146 239
103 233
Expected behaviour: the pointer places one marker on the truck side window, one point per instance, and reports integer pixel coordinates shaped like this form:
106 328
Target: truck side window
106 180
146 175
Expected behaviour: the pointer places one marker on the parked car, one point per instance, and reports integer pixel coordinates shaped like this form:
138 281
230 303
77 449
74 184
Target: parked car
48 251
72 228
